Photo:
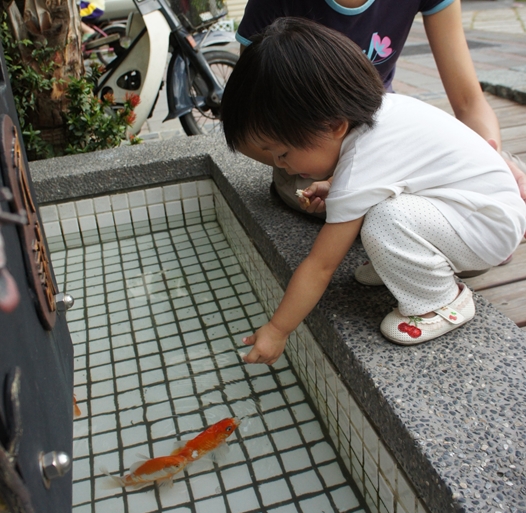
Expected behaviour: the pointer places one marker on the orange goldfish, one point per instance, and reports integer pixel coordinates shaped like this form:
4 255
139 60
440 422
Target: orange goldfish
207 441
161 470
76 409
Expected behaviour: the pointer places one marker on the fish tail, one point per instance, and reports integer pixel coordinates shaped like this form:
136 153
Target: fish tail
113 481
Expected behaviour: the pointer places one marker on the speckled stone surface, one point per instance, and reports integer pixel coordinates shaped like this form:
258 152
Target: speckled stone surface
452 411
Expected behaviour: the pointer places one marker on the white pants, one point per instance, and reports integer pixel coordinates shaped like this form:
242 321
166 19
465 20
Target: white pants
416 252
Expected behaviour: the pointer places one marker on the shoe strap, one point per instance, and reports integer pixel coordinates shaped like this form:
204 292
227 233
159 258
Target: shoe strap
450 315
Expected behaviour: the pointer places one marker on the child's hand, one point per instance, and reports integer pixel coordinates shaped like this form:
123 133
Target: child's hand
316 194
269 344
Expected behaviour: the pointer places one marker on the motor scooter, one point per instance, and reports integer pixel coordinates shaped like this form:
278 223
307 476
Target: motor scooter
197 69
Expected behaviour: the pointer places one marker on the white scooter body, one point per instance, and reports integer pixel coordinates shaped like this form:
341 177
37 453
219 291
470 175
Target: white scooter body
146 65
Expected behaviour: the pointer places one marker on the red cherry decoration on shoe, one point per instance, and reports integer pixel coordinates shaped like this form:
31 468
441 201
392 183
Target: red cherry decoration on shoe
414 332
403 327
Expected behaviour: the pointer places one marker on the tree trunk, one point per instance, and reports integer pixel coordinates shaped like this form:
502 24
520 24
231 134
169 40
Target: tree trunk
55 24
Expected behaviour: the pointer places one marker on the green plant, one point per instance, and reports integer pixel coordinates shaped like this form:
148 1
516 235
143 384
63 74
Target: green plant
90 124
95 124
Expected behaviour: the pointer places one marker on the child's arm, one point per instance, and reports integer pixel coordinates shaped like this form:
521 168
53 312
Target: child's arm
305 289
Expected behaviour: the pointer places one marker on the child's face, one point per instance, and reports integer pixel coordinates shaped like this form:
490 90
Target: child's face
317 162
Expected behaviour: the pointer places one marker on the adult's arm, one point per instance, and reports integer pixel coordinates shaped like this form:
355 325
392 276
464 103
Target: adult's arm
450 49
457 72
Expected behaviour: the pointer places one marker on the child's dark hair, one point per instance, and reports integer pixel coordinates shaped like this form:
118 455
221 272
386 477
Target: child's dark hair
297 79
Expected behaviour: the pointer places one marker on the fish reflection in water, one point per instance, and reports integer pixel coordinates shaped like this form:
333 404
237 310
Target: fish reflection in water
162 470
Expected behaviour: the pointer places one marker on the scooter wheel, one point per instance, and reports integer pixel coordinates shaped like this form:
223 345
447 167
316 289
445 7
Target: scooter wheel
200 121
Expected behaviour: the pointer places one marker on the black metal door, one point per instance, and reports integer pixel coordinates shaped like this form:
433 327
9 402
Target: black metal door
36 354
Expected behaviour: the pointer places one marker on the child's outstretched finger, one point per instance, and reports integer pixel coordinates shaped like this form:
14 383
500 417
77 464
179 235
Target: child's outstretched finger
249 341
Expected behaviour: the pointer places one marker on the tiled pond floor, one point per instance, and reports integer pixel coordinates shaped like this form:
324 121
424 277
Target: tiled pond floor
157 327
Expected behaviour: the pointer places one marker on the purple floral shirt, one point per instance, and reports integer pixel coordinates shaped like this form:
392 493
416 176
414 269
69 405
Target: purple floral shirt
379 27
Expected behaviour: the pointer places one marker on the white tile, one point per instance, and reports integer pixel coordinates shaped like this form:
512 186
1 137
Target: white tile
318 503
133 435
52 229
204 187
102 204
139 214
306 483
236 477
174 208
345 499
371 469
172 192
104 443
296 460
122 217
190 205
119 201
154 195
244 500
258 447
142 503
84 207
206 202
205 485
137 199
267 468
105 220
370 439
386 494
215 504
70 226
87 223
277 491
49 213
67 210
405 493
387 467
156 211
81 492
188 190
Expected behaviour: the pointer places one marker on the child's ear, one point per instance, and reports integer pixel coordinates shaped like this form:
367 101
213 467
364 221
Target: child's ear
340 130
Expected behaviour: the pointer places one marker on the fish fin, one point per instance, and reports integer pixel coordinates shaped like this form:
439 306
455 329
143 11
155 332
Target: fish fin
139 486
136 465
218 453
142 456
112 482
167 482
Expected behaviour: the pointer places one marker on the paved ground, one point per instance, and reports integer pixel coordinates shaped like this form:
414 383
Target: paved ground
495 30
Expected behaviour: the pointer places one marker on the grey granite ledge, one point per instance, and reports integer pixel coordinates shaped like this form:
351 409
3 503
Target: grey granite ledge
452 411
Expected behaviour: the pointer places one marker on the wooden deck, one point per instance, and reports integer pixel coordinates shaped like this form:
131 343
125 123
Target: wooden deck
505 286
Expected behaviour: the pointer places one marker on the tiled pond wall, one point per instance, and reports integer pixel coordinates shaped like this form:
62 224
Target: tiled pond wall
451 412
102 219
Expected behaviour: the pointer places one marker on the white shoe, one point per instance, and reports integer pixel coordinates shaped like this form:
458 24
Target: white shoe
367 275
412 330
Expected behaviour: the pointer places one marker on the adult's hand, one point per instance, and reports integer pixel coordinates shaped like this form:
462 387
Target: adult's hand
517 172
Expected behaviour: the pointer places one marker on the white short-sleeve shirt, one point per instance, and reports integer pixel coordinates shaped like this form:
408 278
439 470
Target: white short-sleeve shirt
415 148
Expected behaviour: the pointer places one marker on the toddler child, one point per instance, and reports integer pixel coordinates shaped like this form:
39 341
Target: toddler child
429 196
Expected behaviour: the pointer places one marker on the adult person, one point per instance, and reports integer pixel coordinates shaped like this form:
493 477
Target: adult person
381 28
